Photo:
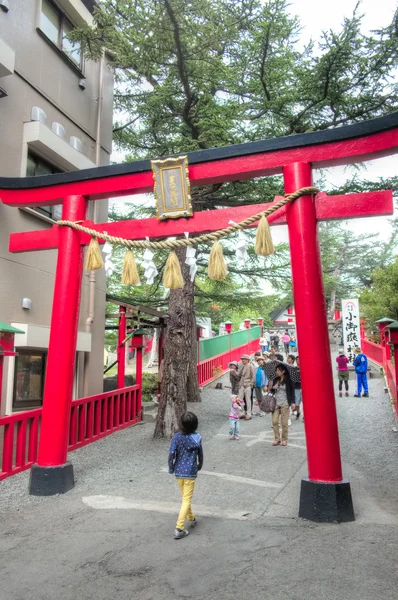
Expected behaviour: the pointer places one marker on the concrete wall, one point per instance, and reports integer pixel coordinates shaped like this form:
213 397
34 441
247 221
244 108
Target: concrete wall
43 78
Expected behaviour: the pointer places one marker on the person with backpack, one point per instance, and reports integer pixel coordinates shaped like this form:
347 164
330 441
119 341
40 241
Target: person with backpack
343 373
275 341
361 368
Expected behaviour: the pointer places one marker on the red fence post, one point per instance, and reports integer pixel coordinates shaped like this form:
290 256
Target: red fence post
137 343
121 348
52 474
391 332
324 496
1 378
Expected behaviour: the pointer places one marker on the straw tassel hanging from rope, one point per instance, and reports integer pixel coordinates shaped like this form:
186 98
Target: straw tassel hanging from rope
130 275
264 244
172 276
217 269
94 257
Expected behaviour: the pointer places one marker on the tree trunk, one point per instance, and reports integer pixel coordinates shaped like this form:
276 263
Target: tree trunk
180 380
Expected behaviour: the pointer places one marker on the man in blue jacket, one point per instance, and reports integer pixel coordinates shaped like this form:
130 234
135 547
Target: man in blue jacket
361 368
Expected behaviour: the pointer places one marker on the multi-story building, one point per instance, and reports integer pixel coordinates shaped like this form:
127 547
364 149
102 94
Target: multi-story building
55 115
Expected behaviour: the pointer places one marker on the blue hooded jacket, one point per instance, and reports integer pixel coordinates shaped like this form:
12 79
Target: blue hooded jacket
186 455
361 363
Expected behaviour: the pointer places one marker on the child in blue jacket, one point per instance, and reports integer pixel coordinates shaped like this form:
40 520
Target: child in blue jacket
361 368
185 460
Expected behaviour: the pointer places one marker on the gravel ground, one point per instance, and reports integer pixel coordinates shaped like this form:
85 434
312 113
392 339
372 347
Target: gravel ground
246 502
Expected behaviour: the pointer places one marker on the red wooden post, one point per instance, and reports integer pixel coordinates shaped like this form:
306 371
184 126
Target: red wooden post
1 378
52 474
121 348
323 447
138 345
392 338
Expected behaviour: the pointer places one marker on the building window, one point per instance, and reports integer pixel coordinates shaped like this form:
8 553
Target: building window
56 27
29 379
37 166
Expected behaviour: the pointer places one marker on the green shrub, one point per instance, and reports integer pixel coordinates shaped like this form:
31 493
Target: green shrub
149 386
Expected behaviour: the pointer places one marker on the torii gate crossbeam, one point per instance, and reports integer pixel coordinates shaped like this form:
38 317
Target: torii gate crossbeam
325 496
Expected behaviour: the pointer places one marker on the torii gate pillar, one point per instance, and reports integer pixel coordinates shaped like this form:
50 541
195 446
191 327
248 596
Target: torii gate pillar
325 496
53 474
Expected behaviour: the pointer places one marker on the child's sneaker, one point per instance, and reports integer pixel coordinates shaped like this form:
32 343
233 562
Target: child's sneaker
340 394
231 437
180 533
236 437
347 394
192 524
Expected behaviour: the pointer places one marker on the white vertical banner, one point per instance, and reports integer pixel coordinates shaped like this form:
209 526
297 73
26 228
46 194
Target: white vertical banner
351 327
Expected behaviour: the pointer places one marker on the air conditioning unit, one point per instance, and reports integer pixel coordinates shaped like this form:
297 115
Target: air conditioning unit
38 114
59 130
76 143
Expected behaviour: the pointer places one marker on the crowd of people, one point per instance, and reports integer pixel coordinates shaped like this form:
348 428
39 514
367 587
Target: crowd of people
265 375
266 382
273 339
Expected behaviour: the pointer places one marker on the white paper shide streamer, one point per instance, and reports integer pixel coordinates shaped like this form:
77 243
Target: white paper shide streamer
241 247
149 266
191 259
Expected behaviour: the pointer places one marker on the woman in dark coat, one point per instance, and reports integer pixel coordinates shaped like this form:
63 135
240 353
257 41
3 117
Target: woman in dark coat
283 390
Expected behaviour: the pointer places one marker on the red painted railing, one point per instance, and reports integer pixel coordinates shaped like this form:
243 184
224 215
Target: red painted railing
95 417
391 381
212 368
378 354
375 352
19 437
91 419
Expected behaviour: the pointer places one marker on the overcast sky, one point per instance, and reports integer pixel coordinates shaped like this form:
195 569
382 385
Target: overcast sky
318 15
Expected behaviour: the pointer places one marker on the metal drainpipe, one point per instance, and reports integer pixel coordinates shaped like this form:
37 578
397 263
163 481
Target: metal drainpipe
92 275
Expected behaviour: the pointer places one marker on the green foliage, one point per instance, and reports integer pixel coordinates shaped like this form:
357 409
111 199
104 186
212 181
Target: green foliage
381 299
149 386
205 73
348 260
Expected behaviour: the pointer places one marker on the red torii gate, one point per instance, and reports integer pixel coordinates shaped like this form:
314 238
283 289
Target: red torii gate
325 496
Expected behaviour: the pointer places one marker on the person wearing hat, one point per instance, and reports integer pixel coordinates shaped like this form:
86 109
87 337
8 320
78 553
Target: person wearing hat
245 384
234 377
361 368
343 373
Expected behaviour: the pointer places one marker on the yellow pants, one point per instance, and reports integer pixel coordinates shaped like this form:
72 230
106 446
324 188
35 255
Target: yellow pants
187 487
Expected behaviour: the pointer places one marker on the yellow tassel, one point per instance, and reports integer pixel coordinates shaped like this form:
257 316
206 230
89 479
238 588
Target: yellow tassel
94 257
264 243
217 268
130 274
172 276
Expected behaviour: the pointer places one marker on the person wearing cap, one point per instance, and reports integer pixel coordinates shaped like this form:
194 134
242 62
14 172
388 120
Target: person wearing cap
246 383
343 373
361 368
234 377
